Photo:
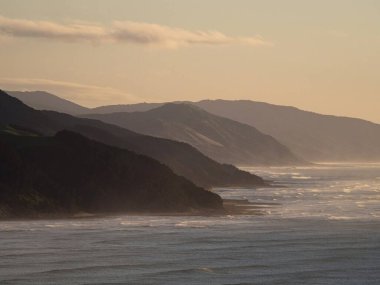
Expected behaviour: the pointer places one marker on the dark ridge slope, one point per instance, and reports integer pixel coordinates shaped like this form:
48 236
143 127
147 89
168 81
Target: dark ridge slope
69 173
182 158
42 100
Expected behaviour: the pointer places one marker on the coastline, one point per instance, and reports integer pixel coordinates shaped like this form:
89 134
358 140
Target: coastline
231 207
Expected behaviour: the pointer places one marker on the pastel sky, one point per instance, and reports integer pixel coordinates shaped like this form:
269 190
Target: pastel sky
321 55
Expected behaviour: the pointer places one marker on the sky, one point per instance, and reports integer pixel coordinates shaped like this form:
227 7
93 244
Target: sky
321 56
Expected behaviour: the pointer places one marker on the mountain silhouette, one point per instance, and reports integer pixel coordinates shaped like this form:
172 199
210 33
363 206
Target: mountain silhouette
182 158
68 173
311 136
222 139
42 100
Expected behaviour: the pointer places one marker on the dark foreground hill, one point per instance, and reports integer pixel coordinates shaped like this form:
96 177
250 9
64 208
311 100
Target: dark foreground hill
68 174
182 158
221 139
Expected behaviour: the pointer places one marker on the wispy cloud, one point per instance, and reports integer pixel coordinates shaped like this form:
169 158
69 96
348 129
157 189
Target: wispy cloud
164 36
146 34
87 95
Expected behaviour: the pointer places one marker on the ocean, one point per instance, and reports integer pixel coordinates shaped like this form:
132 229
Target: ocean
319 224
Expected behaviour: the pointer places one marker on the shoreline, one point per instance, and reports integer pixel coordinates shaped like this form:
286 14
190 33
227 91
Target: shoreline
231 207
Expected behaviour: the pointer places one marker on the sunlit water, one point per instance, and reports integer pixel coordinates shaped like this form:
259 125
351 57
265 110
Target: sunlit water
324 230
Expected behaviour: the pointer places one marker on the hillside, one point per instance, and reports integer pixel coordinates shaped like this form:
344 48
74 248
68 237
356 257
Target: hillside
182 158
140 107
42 100
222 139
69 174
313 136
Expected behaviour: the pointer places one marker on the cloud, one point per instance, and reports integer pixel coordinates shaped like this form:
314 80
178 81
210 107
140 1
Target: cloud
87 95
145 34
164 36
50 30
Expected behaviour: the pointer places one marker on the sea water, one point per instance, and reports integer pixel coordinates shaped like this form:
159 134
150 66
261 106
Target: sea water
319 225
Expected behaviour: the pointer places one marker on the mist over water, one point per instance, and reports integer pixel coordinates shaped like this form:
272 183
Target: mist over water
328 191
321 225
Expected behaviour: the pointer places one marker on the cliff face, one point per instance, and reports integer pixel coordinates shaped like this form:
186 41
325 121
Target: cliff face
69 173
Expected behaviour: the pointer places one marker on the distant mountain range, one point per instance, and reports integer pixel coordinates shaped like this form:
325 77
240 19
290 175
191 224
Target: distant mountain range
308 135
182 158
221 139
69 174
312 136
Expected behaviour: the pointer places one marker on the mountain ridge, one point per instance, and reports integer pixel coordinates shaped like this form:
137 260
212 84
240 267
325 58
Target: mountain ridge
310 135
314 136
42 100
220 138
183 159
68 174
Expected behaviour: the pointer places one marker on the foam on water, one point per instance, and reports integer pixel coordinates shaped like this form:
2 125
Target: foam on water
332 190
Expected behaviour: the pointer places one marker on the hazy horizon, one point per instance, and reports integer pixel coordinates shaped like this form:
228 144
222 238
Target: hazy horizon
316 56
194 101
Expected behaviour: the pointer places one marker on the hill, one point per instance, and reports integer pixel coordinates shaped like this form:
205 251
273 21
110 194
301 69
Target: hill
182 158
222 139
313 136
69 174
140 107
42 100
